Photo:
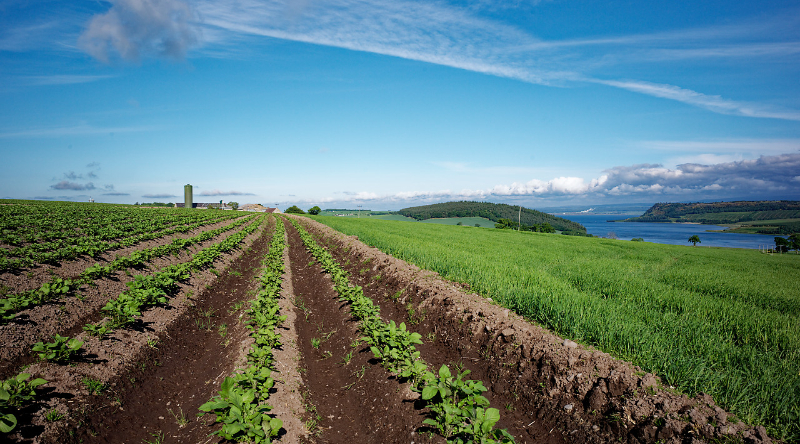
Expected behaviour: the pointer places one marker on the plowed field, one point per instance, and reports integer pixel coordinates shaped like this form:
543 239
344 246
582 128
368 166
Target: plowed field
145 382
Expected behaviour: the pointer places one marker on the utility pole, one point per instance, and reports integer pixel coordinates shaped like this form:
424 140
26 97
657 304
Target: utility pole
359 212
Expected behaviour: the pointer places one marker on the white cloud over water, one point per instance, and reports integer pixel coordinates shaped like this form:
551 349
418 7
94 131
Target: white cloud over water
762 177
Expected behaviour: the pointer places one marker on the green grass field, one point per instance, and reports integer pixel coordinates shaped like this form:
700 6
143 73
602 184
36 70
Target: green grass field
392 217
465 221
715 320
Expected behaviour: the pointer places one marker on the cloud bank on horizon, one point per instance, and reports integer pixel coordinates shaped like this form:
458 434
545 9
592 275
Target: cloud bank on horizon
776 175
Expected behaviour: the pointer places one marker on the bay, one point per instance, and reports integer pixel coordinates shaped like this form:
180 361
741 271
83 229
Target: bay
666 233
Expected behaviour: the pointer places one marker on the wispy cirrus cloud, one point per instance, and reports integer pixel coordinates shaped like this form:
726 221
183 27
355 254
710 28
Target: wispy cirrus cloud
66 79
713 103
158 195
76 130
454 36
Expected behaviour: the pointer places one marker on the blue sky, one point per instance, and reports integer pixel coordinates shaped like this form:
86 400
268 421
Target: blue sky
389 104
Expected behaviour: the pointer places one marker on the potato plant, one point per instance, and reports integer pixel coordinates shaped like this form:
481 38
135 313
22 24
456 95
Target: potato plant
146 291
241 402
16 392
61 350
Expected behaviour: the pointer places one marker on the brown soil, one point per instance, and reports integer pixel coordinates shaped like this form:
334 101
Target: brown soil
126 357
68 315
548 390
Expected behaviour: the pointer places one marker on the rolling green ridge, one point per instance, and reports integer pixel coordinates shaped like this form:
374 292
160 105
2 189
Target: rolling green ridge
491 211
720 321
759 217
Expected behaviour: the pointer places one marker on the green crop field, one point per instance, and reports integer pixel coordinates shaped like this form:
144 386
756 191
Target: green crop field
391 217
720 321
466 221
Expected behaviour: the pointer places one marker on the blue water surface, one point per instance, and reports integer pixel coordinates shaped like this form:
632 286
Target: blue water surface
665 233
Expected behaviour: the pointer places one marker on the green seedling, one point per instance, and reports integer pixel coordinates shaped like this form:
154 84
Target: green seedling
94 386
158 438
242 418
347 358
53 416
180 418
316 342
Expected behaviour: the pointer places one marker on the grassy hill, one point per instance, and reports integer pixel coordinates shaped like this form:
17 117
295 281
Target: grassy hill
765 217
491 211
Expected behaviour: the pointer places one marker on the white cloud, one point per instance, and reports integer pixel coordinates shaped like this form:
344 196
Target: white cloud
135 28
453 36
716 104
759 177
77 130
735 146
66 79
224 193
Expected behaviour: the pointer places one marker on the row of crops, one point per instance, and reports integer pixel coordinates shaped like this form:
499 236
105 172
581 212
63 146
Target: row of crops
458 410
719 321
144 292
241 403
59 287
34 232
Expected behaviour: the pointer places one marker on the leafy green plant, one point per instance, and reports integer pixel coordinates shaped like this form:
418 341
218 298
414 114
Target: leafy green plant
14 393
243 420
61 350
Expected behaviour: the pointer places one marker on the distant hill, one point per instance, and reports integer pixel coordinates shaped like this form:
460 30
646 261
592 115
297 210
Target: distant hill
766 217
492 212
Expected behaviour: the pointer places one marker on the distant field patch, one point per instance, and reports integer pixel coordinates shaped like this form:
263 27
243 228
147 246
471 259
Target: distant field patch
392 217
467 221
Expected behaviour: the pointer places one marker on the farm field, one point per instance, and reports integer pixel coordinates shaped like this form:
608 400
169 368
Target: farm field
466 221
718 321
278 329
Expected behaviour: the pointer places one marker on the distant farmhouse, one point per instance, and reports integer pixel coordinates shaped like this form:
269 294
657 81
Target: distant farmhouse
188 197
258 208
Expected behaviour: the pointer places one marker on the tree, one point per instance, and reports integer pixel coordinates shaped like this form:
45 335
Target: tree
782 245
504 224
695 239
234 205
794 240
478 225
294 209
314 210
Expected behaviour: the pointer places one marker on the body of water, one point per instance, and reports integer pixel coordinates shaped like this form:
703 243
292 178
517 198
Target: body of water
665 233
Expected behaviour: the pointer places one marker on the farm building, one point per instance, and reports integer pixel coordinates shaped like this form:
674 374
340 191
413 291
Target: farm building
258 208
